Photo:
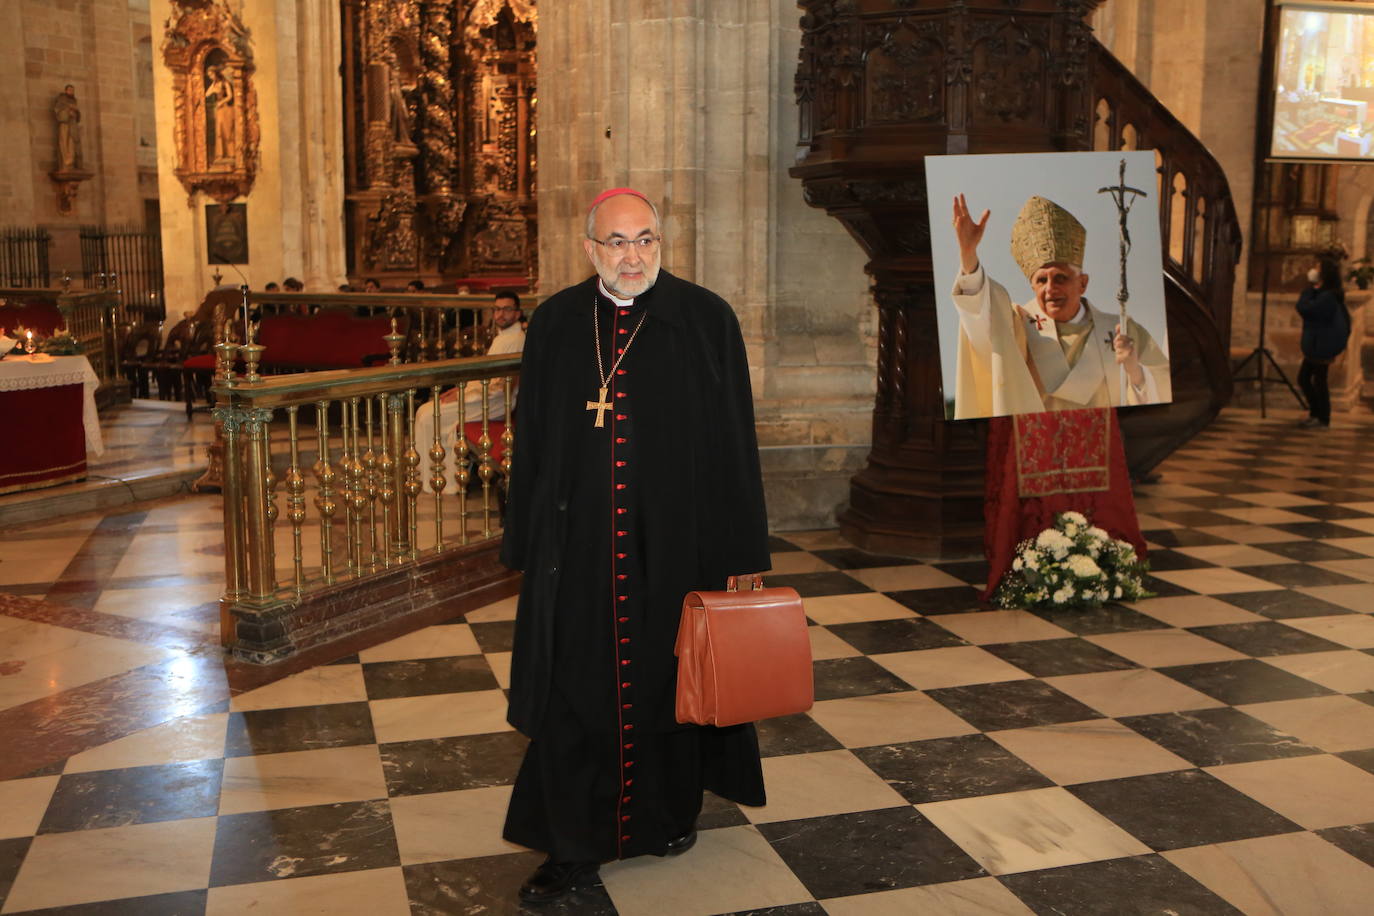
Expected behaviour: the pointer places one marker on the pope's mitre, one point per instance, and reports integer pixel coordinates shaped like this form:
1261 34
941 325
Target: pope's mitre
1046 233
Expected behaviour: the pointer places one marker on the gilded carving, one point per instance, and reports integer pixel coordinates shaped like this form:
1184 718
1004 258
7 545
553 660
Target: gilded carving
216 128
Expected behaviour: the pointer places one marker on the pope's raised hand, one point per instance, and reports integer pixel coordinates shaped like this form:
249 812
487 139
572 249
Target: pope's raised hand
968 233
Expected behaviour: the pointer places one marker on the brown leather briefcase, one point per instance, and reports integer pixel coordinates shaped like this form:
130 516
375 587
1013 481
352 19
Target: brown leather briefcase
742 655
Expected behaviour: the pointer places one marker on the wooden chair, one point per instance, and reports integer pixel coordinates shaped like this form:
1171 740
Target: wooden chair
140 355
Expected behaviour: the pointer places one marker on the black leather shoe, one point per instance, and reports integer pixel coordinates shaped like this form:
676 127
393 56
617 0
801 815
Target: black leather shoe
553 880
678 846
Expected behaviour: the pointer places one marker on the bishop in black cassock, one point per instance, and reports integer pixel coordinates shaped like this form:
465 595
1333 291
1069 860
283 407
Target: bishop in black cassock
635 480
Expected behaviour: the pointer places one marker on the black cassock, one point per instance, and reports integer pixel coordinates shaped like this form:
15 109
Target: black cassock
612 526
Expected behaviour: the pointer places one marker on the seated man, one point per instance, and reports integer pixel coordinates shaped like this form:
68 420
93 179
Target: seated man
510 338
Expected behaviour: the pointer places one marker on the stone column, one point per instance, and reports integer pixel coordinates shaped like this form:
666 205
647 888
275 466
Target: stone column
690 103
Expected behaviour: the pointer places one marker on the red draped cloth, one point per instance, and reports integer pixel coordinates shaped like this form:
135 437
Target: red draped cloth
1041 464
46 444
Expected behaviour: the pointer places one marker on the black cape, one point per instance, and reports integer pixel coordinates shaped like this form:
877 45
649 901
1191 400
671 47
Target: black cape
700 490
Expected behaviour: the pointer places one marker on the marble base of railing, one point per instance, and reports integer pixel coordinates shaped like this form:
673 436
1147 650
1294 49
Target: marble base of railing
368 611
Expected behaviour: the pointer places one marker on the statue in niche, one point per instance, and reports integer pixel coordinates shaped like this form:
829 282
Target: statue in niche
220 139
68 117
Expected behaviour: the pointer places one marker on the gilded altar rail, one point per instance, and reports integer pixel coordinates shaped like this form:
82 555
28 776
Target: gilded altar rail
370 519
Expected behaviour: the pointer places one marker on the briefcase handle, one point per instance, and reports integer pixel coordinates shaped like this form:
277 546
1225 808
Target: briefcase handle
755 579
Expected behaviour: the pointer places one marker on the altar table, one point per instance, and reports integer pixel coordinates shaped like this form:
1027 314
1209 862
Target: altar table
48 410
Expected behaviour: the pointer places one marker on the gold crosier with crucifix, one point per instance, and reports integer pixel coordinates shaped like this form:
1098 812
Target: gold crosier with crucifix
601 404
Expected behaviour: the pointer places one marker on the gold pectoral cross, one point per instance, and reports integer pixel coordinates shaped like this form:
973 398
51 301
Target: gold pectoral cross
600 405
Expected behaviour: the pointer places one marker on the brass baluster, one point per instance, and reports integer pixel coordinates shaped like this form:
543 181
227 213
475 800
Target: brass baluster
270 482
295 500
462 475
412 475
358 494
436 462
346 488
386 468
370 472
485 470
400 531
231 420
324 495
508 435
262 577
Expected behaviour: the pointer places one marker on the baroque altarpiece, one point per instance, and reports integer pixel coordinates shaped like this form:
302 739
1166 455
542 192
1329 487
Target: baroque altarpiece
439 129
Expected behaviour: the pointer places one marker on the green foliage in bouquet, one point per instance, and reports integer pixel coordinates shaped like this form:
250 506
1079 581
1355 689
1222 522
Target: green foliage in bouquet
1071 565
60 344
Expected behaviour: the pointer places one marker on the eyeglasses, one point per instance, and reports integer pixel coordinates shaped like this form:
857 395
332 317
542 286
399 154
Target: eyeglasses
618 245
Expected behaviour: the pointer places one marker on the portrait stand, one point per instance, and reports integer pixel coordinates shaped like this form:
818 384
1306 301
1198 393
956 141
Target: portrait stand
1260 355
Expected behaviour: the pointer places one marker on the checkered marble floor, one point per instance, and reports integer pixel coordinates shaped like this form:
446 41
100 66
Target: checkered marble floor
1206 751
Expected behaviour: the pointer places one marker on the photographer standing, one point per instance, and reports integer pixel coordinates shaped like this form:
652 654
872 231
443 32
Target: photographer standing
1325 330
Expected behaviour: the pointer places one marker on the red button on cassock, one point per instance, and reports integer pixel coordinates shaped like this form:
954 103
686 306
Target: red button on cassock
624 837
623 619
620 464
621 534
625 684
624 661
621 556
629 782
629 727
620 372
624 311
629 745
621 440
624 817
620 416
620 349
624 640
620 486
627 706
626 799
624 331
620 394
621 511
622 597
622 576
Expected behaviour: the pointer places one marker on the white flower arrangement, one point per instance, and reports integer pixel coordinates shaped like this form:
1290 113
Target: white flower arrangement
1073 564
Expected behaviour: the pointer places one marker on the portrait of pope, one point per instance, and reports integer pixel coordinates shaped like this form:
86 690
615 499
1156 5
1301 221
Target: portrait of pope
1020 332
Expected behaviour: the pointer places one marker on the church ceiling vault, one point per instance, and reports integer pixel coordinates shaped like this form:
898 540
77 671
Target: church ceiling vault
440 133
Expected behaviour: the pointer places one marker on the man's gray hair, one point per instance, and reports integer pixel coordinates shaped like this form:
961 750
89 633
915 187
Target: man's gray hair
591 215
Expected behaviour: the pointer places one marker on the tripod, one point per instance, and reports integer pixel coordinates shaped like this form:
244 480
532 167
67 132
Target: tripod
1261 354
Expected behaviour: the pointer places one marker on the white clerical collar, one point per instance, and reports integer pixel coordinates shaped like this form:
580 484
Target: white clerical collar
1079 318
623 303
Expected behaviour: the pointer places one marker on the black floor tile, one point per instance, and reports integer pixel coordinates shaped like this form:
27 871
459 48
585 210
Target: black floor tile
1212 737
298 728
1054 657
853 677
181 903
1320 530
836 856
782 736
1357 839
875 637
819 584
778 544
1170 560
1283 604
425 676
1109 618
1266 638
1364 696
1218 501
1011 704
1312 551
1180 809
450 764
929 601
1244 681
717 812
1159 588
495 636
854 558
136 795
314 840
1185 537
1329 513
1194 518
1134 885
489 885
12 852
1296 575
1362 759
941 769
811 908
1230 486
346 660
974 572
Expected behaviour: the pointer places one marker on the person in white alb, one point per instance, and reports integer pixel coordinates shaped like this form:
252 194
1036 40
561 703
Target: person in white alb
510 338
1056 351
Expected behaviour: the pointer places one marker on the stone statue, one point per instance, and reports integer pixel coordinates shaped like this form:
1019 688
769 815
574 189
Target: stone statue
68 130
222 142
